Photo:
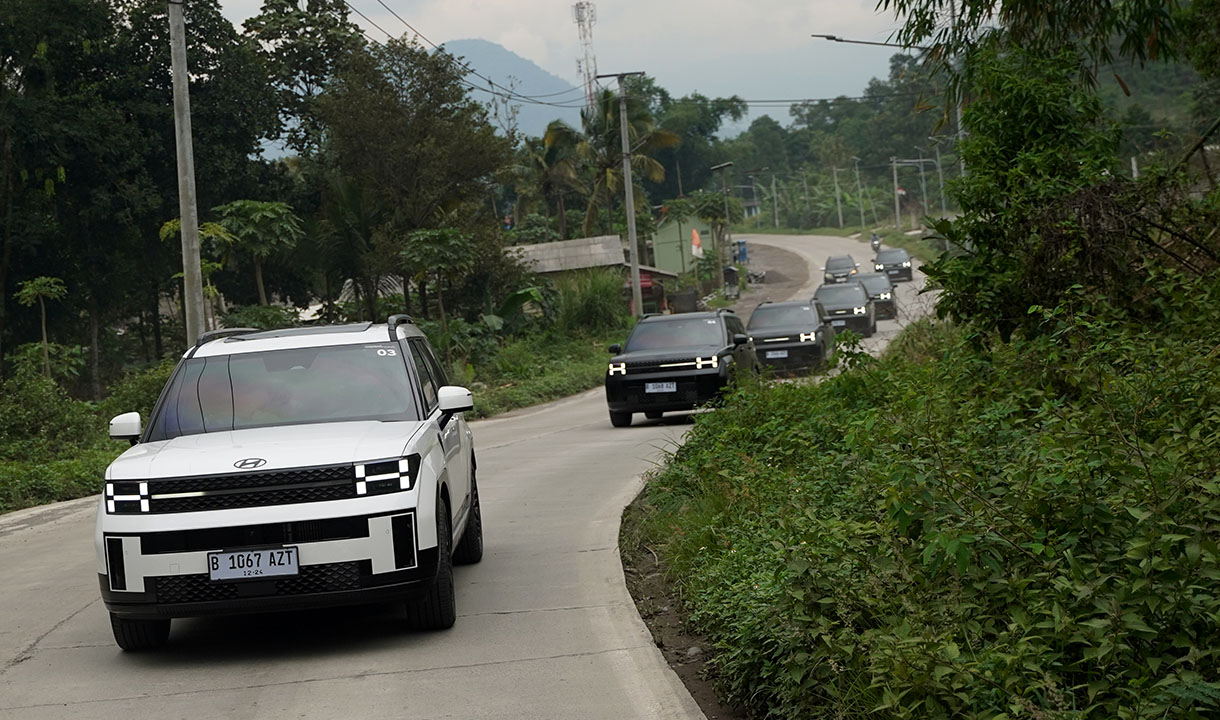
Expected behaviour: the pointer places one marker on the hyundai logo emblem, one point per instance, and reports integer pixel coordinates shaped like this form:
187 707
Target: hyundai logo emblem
249 463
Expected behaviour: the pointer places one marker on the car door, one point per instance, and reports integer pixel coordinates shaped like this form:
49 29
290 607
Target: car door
455 436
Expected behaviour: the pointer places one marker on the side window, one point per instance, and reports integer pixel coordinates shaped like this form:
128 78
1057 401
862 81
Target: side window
426 380
438 370
735 327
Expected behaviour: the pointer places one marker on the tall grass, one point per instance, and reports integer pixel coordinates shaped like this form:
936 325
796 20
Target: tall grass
591 301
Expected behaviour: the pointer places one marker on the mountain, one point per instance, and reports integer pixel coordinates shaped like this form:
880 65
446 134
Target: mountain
510 70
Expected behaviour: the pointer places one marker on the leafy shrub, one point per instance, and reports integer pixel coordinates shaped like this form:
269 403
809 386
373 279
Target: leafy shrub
591 301
138 392
39 421
67 361
966 530
263 317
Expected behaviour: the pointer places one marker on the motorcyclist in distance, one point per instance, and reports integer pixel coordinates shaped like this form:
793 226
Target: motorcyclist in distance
876 242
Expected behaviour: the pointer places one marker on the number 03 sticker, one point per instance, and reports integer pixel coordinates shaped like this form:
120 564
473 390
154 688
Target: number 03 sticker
383 350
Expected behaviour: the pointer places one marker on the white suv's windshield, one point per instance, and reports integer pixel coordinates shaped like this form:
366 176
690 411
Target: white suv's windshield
688 332
286 387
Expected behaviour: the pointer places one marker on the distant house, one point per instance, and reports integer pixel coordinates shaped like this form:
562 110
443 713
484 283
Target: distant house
603 251
671 243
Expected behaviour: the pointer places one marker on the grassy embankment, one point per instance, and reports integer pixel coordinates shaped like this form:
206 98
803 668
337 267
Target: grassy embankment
964 529
53 447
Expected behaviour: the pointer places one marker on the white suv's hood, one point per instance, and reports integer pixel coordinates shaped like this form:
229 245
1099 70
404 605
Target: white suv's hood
281 447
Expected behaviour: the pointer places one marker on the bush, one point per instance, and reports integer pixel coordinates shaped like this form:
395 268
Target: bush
138 392
963 529
591 301
39 421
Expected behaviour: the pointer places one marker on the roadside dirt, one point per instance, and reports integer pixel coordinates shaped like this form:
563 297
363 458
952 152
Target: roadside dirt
655 598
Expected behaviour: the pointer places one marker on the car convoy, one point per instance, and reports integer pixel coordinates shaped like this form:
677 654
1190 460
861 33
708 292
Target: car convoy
326 466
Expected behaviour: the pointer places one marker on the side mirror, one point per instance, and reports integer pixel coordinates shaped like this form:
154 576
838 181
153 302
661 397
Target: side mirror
453 399
615 349
740 339
126 427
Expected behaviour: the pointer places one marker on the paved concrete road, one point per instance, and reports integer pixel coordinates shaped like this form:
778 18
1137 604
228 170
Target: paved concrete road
546 628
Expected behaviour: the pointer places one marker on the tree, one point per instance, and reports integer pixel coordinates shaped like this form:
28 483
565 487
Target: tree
303 42
39 290
447 253
599 145
261 229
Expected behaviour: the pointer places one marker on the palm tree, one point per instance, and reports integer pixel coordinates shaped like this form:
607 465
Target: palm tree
549 172
599 146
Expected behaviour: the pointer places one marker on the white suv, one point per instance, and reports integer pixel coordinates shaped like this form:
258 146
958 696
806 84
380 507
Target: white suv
286 469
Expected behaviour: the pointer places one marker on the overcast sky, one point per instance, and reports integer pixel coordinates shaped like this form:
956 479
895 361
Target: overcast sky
758 50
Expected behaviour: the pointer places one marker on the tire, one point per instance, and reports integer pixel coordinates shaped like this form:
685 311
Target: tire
470 550
137 635
872 329
653 414
620 419
437 610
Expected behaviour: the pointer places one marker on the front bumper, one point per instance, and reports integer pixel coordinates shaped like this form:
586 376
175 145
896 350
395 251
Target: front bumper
886 309
156 567
899 273
800 355
857 323
629 393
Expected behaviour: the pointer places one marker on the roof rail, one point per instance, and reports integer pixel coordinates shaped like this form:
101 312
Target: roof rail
211 335
394 321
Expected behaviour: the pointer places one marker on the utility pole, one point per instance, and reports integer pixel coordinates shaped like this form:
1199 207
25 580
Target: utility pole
192 272
724 191
897 210
859 191
774 202
637 299
838 202
940 177
923 185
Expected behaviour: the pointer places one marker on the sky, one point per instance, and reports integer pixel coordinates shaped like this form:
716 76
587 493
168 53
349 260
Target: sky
758 50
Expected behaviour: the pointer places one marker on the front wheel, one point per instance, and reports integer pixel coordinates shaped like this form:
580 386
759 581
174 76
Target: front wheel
136 635
620 419
470 550
437 610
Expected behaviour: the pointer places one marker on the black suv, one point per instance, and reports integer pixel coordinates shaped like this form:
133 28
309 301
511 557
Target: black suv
895 262
839 268
848 306
676 362
791 335
881 290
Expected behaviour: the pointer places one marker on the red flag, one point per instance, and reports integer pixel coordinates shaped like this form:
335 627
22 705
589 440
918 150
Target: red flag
696 245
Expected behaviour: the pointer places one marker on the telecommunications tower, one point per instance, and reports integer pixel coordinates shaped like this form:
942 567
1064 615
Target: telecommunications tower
585 15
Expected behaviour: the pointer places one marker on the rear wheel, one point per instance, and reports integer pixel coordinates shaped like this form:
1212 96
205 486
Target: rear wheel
437 610
136 635
620 419
653 414
470 550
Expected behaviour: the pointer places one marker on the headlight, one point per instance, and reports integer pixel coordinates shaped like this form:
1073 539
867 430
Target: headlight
885 296
853 271
387 475
859 310
879 266
906 263
809 336
618 369
127 496
713 361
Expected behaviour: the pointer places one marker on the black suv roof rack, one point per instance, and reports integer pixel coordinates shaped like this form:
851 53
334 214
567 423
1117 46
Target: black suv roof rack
394 321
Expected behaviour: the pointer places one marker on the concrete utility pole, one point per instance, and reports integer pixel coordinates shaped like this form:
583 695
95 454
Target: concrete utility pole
724 191
838 201
774 202
192 271
637 299
859 191
923 185
897 210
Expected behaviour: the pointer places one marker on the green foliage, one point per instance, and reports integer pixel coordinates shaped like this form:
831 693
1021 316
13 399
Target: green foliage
1026 530
67 361
1036 136
39 421
138 391
263 317
532 229
590 301
39 289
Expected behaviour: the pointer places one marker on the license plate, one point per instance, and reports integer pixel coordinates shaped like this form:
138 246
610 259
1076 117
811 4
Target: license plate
253 564
776 354
661 387
838 323
892 272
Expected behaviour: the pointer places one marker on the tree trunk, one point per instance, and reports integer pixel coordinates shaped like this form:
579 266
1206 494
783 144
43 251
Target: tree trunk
95 380
258 278
406 294
46 354
563 219
423 298
440 306
158 341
